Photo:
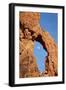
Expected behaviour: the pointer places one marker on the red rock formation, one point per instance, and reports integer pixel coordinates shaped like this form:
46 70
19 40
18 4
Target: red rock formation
30 31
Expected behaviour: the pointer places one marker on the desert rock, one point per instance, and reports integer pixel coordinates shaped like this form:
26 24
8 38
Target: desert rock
29 32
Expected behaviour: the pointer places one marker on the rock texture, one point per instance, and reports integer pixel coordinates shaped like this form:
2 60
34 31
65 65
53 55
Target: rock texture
30 31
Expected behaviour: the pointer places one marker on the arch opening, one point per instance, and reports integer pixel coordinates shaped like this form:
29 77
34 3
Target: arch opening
40 53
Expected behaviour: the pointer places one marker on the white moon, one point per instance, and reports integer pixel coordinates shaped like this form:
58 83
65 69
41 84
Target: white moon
38 48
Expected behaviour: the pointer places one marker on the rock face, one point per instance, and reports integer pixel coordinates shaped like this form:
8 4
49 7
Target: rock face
30 31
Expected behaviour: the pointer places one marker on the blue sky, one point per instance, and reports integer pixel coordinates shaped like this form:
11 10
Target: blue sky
40 54
48 21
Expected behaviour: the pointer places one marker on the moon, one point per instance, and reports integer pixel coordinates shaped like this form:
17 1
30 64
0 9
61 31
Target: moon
38 48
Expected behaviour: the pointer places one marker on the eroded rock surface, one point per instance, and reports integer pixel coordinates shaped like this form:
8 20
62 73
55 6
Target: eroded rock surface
30 31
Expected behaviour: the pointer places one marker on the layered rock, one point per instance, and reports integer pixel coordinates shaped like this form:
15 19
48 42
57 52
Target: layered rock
30 31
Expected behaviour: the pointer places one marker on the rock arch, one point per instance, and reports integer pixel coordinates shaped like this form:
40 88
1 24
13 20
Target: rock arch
30 22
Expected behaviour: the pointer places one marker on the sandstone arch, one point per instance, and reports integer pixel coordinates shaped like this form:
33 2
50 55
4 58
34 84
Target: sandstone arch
29 22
